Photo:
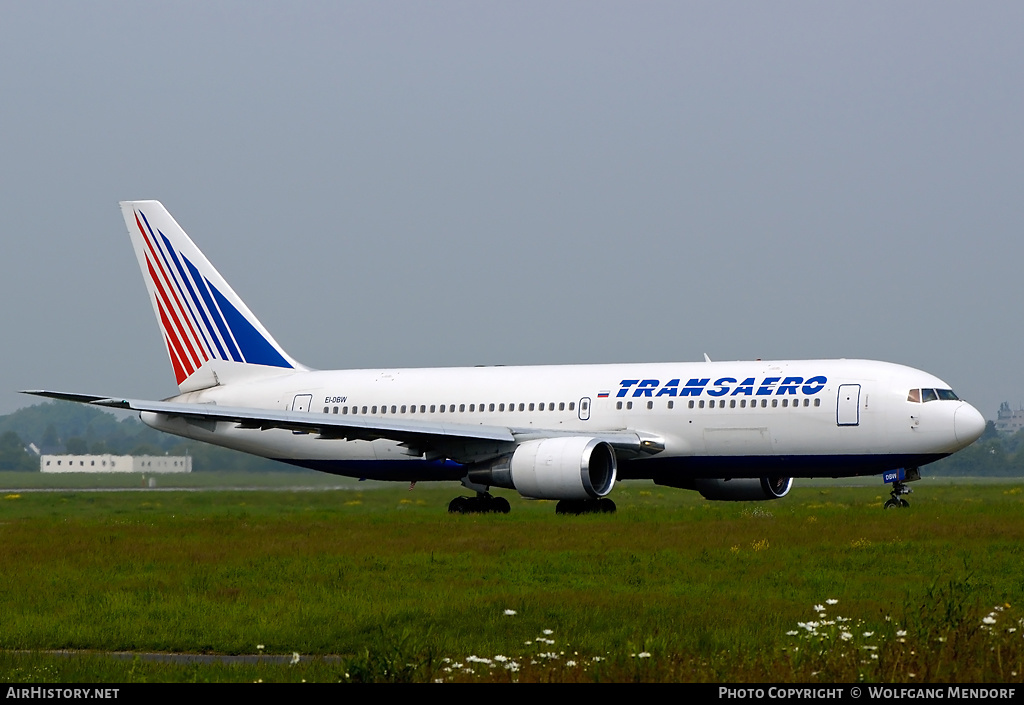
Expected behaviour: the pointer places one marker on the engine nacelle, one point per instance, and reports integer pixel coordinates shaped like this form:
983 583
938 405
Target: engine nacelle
570 467
744 489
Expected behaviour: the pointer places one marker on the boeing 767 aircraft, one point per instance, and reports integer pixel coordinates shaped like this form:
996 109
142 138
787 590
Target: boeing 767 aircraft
729 430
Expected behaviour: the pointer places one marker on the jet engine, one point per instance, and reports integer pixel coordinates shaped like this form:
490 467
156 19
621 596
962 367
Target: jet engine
744 489
569 467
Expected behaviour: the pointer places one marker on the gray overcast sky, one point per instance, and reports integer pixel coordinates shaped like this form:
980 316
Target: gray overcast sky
457 183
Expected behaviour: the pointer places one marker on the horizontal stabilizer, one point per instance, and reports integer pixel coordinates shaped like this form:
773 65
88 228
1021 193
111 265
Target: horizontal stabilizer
65 396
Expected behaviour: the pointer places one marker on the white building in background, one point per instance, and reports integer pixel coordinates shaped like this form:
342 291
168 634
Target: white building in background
1009 420
140 464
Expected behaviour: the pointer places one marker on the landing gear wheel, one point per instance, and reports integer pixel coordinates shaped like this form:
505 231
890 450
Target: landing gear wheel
896 501
483 503
585 506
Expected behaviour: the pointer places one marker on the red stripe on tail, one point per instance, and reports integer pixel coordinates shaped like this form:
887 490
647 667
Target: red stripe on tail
188 321
178 330
179 373
183 365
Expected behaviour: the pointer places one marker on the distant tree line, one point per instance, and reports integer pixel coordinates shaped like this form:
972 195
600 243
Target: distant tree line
63 427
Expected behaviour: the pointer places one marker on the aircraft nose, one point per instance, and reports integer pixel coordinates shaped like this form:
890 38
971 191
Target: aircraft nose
968 424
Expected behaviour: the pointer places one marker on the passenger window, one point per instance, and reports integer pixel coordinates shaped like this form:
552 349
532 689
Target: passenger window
462 407
326 410
572 406
629 405
522 406
561 406
451 408
335 410
618 405
650 405
817 402
671 404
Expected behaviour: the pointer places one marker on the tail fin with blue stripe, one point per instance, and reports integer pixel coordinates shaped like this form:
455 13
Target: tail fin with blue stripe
211 335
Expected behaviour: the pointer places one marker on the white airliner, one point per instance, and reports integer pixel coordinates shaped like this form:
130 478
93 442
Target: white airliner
730 430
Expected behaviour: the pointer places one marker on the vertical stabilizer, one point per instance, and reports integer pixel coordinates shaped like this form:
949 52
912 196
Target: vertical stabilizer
211 335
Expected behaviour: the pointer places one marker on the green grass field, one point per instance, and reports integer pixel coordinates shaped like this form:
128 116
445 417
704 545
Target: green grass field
382 584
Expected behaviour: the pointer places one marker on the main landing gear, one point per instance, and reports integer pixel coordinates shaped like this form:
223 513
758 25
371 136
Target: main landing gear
585 506
483 503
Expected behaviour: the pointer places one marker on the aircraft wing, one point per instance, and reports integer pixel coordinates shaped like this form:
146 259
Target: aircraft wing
461 442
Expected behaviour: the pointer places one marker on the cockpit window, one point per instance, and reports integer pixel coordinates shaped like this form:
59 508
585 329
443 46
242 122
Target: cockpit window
923 395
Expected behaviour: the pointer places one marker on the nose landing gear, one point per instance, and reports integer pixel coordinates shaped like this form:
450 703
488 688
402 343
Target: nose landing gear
899 479
897 502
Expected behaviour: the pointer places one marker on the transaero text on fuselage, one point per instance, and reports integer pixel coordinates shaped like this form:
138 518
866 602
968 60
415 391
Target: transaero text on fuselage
723 386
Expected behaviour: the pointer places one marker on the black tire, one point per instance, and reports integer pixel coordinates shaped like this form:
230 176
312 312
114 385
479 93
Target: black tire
459 505
567 506
500 505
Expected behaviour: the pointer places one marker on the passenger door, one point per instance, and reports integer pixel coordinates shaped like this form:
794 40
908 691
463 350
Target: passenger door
848 407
